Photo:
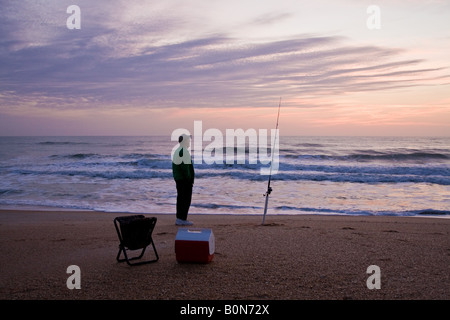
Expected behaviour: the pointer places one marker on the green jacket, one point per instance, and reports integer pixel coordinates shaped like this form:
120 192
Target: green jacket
183 171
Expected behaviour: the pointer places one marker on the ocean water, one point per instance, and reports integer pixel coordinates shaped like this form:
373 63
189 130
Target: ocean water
400 176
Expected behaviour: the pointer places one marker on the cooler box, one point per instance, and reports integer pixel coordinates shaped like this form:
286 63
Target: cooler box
194 245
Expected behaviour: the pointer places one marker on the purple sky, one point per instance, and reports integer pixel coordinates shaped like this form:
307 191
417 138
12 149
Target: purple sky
150 67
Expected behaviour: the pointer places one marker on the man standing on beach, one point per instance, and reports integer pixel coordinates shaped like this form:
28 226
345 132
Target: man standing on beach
183 173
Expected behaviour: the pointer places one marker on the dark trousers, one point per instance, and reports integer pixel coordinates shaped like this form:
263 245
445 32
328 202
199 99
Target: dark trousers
184 197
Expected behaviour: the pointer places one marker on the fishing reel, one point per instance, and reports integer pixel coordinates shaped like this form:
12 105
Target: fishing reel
269 190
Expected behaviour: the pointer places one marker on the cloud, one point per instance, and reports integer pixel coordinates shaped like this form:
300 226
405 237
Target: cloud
115 61
271 18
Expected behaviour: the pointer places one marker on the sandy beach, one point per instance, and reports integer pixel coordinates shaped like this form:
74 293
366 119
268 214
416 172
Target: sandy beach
290 258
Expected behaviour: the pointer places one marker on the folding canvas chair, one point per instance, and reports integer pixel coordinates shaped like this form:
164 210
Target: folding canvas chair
135 232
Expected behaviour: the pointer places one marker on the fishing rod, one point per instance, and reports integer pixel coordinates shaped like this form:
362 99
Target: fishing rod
269 188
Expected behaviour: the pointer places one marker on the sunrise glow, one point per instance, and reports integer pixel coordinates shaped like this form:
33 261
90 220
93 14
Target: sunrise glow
147 68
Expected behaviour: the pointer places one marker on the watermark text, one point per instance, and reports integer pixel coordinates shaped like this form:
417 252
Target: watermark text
234 145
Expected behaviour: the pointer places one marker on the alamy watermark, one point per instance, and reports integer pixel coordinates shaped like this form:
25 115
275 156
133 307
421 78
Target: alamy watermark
74 20
233 144
374 280
374 20
74 281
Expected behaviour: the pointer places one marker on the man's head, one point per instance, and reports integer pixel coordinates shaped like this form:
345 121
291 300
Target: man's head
184 140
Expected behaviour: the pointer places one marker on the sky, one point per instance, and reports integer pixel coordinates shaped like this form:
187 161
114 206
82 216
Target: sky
140 67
